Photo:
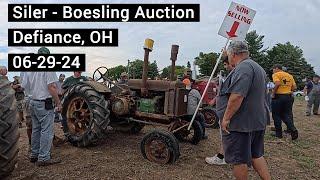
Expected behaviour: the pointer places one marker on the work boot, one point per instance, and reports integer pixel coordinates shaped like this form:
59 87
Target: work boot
294 135
48 162
278 133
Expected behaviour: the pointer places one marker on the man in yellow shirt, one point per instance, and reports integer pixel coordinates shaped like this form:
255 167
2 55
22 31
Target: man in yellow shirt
282 101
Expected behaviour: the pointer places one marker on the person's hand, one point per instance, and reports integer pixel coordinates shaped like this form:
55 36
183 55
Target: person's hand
58 107
224 52
224 125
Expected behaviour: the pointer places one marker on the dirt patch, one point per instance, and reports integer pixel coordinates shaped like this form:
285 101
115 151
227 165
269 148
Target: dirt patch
119 157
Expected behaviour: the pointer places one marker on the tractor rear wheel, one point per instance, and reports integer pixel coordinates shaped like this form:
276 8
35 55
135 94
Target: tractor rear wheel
211 118
86 115
160 147
9 130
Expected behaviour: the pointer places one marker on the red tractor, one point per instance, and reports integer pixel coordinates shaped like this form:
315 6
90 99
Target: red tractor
211 118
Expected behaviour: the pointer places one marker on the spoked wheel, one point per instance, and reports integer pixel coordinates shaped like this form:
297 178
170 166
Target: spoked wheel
160 147
86 114
78 116
211 118
194 135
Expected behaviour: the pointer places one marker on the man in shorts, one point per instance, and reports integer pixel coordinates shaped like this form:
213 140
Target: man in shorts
242 111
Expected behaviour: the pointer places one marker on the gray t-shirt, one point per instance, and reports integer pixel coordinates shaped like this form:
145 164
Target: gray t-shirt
247 79
193 100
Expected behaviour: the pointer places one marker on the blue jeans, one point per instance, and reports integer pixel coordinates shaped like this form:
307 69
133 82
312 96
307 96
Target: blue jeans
42 130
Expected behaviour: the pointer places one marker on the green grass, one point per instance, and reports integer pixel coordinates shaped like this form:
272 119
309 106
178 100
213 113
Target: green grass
269 137
302 158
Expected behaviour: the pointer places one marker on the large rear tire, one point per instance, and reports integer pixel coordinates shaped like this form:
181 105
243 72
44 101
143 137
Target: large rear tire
9 130
86 114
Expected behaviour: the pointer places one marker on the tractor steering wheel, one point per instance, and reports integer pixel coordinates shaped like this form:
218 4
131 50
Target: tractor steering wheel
101 73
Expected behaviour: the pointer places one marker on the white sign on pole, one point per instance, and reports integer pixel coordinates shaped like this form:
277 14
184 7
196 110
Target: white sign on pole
237 21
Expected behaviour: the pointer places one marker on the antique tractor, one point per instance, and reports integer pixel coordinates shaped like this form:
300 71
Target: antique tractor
90 107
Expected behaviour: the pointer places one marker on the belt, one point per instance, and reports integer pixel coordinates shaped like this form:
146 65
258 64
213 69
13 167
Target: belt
283 94
41 100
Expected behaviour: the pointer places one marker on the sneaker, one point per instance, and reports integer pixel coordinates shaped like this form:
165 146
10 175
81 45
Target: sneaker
48 162
294 135
215 160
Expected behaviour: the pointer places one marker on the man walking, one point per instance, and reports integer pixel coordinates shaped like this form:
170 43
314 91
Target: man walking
243 114
43 91
282 101
313 96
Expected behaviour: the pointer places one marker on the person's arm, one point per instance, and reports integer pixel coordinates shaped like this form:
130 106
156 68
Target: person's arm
54 93
53 90
233 106
294 85
277 84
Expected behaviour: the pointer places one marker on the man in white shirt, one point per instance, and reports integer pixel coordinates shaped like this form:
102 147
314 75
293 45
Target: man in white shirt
42 88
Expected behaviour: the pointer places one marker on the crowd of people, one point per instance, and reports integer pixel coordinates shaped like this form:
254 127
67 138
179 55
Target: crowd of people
244 102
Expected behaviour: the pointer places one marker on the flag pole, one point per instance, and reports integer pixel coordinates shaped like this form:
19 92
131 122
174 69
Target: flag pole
206 88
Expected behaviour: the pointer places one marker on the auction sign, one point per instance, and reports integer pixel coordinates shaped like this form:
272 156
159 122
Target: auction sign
237 21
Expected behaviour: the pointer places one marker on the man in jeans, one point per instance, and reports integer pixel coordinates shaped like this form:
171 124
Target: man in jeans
43 91
242 111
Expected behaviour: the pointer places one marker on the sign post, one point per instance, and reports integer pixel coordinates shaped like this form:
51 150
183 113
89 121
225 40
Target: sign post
234 27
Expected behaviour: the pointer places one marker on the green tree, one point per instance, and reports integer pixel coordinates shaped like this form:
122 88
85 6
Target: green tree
115 72
153 71
206 63
292 58
136 69
256 49
178 71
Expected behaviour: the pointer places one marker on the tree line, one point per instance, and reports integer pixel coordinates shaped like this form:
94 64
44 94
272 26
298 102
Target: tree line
287 54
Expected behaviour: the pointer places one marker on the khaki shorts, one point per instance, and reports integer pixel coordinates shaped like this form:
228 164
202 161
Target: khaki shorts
20 105
27 112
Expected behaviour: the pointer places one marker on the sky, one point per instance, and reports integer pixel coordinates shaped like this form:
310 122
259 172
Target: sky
278 21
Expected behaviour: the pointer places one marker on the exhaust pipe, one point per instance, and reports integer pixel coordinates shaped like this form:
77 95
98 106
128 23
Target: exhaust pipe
174 54
148 45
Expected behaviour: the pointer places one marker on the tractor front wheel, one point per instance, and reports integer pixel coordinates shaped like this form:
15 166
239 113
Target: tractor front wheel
160 147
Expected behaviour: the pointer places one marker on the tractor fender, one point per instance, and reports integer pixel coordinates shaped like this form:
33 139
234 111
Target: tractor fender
101 88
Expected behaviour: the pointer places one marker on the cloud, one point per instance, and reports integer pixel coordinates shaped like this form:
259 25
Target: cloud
279 21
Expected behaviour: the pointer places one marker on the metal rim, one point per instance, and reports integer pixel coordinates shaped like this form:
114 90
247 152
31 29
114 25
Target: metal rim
78 116
157 151
210 117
